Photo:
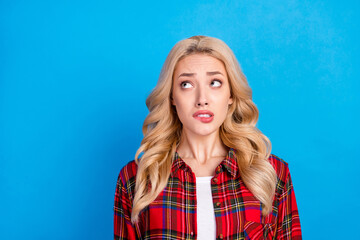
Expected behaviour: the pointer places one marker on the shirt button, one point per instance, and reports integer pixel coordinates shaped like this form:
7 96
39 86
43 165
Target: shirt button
221 236
218 204
192 233
215 180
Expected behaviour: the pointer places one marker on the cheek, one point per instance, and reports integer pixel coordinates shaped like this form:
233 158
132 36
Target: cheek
181 101
223 107
181 109
181 115
172 97
175 97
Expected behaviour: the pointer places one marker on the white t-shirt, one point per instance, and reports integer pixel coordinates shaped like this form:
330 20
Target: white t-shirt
206 225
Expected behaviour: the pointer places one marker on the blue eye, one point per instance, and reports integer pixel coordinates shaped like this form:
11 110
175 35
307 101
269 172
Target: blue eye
216 83
186 85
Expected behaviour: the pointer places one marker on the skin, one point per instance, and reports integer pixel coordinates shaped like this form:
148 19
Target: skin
200 82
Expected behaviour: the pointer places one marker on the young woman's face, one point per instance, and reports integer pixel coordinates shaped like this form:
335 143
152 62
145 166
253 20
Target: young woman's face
201 94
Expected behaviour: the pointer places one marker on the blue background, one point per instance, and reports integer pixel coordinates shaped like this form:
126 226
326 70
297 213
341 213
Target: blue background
74 76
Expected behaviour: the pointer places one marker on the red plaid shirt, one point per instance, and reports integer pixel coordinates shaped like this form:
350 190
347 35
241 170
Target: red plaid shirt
237 212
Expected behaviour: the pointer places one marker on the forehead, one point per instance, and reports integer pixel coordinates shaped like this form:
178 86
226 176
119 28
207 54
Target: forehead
199 62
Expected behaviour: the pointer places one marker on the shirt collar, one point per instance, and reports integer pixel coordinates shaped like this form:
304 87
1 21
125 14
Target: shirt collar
229 163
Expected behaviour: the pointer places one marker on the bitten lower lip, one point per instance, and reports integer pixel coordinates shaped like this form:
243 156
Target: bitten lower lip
202 118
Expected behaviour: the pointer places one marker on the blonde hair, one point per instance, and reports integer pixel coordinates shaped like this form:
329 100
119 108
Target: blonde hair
162 130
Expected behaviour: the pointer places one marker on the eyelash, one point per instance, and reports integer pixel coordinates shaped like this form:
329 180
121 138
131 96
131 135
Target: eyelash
217 80
181 84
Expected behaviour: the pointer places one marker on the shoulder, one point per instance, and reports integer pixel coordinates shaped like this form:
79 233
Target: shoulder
281 167
127 176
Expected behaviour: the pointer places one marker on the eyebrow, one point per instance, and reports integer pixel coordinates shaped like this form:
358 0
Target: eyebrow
193 74
213 73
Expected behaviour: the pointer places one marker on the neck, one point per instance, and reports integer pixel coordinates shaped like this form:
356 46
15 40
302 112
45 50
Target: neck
201 148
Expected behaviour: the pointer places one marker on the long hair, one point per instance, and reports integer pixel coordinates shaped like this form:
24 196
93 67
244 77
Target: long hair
162 129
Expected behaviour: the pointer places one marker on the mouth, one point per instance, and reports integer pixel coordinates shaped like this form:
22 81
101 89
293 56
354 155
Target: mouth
204 116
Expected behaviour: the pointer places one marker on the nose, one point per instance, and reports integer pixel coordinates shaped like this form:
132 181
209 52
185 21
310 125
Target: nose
201 98
199 104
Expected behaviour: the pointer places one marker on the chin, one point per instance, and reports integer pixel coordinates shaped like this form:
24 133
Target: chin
204 132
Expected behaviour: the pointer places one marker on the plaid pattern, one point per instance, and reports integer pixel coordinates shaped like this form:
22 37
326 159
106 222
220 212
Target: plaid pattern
238 213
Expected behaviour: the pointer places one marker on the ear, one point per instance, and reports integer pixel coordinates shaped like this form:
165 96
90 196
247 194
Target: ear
230 101
172 100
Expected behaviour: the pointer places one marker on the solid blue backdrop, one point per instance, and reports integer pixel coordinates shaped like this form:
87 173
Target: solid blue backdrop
74 76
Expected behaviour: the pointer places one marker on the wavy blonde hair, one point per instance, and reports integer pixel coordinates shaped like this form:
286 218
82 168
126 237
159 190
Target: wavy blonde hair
162 130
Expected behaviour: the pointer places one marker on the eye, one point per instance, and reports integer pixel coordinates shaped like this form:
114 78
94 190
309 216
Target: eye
216 83
186 85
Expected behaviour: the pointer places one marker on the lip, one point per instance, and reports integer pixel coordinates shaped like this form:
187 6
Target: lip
204 119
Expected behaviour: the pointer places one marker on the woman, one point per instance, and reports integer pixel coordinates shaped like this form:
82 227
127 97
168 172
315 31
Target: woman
206 171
